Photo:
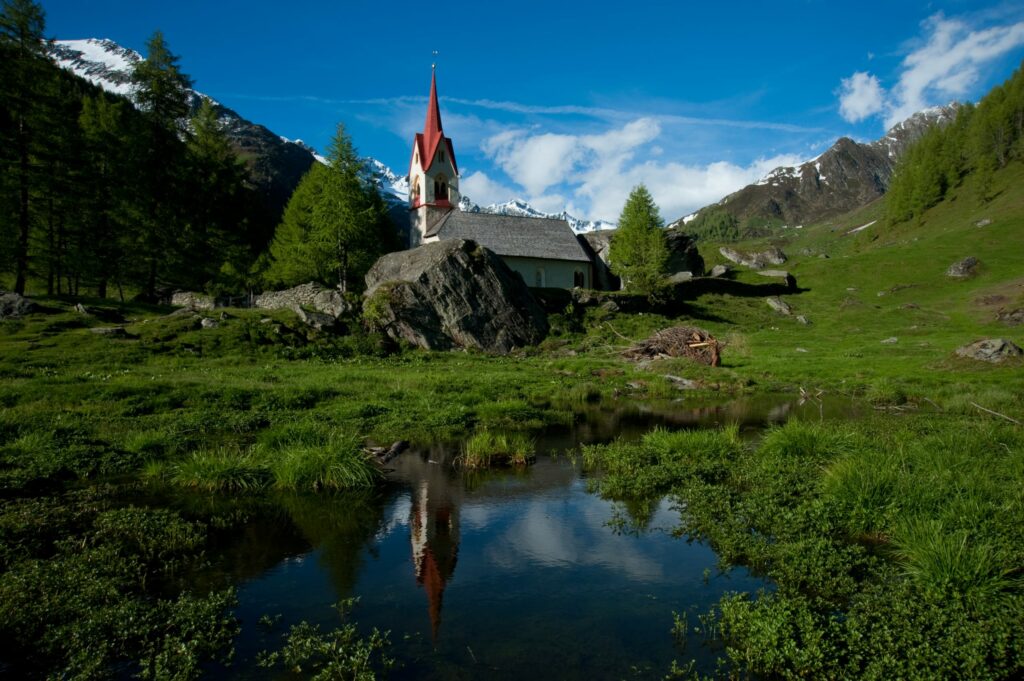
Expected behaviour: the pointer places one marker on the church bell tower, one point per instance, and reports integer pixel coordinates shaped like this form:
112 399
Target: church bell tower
433 174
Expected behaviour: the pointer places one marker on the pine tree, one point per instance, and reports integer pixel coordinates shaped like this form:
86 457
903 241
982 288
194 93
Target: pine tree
23 75
335 226
162 93
639 252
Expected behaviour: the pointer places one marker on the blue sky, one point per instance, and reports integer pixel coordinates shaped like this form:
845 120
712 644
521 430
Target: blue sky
569 105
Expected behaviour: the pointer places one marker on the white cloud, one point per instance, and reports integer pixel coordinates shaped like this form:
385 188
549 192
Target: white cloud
592 175
862 96
482 190
945 66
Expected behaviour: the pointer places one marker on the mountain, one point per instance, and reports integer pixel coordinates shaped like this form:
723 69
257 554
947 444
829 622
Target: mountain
847 176
275 164
523 209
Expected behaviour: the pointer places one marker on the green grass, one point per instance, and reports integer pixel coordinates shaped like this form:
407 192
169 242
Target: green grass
488 448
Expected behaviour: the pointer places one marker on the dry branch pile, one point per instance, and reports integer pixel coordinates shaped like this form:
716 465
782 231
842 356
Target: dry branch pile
679 341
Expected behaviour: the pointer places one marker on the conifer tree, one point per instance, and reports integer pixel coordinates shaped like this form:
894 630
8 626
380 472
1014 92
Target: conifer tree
335 226
161 91
638 252
23 74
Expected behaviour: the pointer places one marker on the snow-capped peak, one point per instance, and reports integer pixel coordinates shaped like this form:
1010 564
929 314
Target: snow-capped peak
100 61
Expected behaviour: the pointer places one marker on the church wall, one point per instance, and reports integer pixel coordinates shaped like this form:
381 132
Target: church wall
556 273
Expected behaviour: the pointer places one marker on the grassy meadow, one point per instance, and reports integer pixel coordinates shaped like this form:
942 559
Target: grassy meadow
894 542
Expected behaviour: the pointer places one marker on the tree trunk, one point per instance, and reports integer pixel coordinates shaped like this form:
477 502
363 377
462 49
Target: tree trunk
21 265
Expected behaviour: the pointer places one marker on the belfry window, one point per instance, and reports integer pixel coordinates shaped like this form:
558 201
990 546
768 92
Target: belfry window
440 188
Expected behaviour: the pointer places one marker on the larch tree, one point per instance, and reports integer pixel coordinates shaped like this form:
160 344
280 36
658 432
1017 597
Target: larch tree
23 78
639 252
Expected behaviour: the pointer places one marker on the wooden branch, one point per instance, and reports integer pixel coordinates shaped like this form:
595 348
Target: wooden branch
996 413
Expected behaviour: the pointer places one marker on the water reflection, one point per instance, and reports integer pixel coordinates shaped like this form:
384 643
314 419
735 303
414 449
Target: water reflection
514 573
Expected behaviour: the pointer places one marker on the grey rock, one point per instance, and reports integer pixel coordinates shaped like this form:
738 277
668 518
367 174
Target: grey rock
81 309
803 320
317 320
963 268
755 261
891 340
801 350
823 256
610 306
680 383
779 274
192 300
452 294
311 296
680 277
993 350
109 331
1012 318
720 270
984 222
779 305
13 305
208 323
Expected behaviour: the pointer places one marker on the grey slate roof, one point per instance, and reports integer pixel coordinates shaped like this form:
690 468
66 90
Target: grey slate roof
511 235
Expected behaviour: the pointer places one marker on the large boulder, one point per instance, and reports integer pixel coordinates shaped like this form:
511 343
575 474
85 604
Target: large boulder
452 294
962 269
993 350
755 261
13 305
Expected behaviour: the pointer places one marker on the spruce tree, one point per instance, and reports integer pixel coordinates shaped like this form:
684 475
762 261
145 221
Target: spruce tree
335 226
638 252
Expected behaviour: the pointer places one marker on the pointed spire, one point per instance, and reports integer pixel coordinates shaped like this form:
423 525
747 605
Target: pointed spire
432 127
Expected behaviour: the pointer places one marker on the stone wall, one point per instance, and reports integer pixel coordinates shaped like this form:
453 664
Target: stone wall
312 295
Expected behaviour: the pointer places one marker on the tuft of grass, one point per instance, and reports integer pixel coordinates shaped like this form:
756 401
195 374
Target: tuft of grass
951 562
335 463
219 470
487 448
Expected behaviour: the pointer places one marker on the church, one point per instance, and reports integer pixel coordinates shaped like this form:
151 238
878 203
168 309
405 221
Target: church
544 251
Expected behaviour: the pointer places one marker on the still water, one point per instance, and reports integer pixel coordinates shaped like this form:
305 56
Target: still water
507 574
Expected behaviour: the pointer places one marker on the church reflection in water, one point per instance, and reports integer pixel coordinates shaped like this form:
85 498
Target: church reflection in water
433 524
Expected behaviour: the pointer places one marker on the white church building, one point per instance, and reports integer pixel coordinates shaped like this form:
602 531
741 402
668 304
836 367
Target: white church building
544 251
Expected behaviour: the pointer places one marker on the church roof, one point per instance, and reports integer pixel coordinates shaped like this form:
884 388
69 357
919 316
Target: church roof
512 235
433 133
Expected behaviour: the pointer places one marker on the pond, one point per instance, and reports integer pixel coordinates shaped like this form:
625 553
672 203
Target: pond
503 574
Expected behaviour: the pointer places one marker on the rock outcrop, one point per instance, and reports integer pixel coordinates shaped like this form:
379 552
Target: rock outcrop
317 306
13 305
993 350
755 261
452 294
779 305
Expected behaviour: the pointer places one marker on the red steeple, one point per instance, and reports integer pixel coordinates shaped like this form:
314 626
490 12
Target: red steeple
432 127
432 138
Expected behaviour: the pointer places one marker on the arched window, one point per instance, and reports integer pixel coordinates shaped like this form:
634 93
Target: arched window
440 188
538 278
578 280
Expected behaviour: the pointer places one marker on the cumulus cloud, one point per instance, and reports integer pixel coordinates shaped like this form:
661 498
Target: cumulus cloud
483 190
591 175
945 65
861 96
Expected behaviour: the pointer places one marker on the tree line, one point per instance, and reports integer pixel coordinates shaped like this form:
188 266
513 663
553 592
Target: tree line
979 141
100 194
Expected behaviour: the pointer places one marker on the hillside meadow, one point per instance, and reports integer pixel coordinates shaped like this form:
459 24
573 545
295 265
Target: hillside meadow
893 541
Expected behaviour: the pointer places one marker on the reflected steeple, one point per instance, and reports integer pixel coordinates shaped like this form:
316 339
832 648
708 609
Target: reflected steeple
434 533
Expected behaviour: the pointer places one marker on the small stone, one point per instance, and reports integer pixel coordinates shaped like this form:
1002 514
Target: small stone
823 256
80 309
985 222
803 320
110 331
779 305
1013 318
208 323
266 320
720 270
892 340
680 277
801 350
963 268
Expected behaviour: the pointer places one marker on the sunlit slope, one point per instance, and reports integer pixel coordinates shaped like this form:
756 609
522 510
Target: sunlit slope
885 282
